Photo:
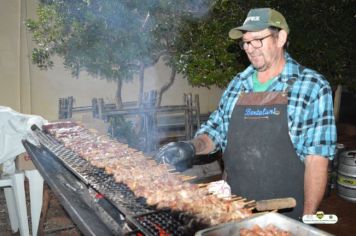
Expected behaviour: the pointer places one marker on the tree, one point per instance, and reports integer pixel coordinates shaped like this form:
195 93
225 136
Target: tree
204 57
164 22
321 38
95 36
110 39
114 39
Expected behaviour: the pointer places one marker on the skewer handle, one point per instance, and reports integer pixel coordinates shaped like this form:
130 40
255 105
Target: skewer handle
275 204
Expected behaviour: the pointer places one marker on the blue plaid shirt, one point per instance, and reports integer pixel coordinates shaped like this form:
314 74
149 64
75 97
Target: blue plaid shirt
310 109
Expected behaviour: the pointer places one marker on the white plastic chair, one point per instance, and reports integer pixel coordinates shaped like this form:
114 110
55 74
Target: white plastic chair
35 181
15 127
14 190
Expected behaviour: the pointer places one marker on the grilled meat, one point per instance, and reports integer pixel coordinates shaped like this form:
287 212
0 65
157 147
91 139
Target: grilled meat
154 182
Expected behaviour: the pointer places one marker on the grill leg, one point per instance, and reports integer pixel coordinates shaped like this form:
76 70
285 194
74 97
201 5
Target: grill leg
45 206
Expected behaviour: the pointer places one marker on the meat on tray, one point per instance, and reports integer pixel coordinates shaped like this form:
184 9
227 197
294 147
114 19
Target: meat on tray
269 230
157 183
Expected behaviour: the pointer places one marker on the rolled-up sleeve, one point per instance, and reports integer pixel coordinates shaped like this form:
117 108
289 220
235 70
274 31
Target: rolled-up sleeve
321 136
213 129
311 117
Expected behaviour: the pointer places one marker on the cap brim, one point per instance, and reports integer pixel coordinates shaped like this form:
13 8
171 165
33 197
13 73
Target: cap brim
237 32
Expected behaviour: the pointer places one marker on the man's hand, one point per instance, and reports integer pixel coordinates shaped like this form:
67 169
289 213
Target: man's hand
178 154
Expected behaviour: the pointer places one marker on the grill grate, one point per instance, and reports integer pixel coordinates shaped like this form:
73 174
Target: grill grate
117 193
143 217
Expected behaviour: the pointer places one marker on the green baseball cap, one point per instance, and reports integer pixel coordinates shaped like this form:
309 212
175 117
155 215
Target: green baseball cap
260 19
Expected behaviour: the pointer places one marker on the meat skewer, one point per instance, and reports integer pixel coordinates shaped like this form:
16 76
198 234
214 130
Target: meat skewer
155 182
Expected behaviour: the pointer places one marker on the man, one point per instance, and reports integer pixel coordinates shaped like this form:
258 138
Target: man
274 123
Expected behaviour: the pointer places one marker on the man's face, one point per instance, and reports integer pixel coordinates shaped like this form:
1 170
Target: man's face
261 49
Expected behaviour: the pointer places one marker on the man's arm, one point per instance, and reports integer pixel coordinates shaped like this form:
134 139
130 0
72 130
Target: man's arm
203 144
315 180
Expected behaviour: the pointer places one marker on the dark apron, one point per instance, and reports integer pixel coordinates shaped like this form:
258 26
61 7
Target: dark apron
260 160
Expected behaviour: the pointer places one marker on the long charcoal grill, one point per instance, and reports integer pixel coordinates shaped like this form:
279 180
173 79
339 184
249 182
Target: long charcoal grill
124 213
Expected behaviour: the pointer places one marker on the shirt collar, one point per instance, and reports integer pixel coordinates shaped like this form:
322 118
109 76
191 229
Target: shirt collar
289 71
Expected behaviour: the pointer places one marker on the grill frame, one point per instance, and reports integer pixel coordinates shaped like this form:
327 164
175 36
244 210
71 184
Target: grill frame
73 195
127 197
126 204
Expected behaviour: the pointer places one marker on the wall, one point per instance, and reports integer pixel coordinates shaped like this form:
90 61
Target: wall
29 90
9 53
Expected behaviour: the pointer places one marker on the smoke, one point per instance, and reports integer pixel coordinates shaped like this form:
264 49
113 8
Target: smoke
110 39
200 8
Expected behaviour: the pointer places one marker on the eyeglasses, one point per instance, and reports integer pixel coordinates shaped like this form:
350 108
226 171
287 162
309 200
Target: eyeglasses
255 43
